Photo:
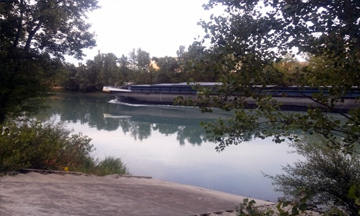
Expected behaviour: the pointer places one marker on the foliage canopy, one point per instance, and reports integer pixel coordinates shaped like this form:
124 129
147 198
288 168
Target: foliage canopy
35 36
251 45
53 27
251 37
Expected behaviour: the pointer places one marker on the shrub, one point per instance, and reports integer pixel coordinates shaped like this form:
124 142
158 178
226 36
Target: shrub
330 177
36 145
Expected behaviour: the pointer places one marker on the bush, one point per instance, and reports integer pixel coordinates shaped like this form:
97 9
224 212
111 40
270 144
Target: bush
35 145
328 177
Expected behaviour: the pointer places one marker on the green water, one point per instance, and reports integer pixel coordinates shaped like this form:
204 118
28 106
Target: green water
168 143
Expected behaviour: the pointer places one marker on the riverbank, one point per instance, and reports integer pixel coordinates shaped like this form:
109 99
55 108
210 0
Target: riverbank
78 194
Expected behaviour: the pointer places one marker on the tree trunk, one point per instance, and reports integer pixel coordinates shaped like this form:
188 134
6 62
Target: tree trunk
19 27
31 35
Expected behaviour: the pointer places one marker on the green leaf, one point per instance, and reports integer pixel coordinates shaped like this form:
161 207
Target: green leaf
357 201
303 207
295 211
352 192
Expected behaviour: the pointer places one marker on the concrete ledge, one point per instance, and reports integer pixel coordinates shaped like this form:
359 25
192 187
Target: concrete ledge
76 173
62 193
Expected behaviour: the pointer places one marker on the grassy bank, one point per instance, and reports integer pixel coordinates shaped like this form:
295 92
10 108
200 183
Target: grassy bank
32 144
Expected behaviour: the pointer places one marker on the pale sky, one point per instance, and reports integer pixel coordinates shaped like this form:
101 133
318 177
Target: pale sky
156 26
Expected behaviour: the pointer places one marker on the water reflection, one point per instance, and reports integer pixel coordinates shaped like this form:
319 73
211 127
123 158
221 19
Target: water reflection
167 143
141 121
79 108
103 113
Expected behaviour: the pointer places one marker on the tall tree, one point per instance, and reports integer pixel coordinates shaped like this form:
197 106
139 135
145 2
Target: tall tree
197 63
167 72
32 34
252 35
109 73
124 68
139 58
139 63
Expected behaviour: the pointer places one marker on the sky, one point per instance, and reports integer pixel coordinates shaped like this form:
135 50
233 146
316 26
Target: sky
158 27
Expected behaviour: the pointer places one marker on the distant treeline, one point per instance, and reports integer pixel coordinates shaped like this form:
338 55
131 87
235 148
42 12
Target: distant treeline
193 64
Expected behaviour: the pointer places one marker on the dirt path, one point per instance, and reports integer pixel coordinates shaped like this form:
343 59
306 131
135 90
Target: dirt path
67 194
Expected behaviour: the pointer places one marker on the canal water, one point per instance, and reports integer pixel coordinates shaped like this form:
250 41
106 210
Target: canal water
167 143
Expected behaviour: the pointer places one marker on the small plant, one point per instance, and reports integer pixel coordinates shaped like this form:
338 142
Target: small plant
109 165
283 208
248 208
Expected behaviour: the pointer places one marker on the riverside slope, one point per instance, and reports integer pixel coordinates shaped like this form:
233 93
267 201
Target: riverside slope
67 194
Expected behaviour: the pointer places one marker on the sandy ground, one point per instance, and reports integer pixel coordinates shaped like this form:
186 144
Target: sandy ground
69 194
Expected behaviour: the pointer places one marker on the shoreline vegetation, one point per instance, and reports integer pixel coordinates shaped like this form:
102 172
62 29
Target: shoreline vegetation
31 144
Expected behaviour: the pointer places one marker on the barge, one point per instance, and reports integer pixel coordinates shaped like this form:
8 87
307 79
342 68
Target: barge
291 98
157 94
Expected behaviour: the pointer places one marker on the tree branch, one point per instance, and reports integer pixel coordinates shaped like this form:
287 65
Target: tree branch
315 100
19 27
31 35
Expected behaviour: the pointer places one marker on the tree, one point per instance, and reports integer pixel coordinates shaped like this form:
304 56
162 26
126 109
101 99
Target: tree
139 63
109 73
139 59
181 51
124 68
197 63
101 71
253 35
33 33
70 81
167 70
291 71
249 43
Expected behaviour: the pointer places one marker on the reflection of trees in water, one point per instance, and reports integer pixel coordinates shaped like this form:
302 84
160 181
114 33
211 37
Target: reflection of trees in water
190 133
140 130
193 134
84 109
90 110
124 124
166 129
